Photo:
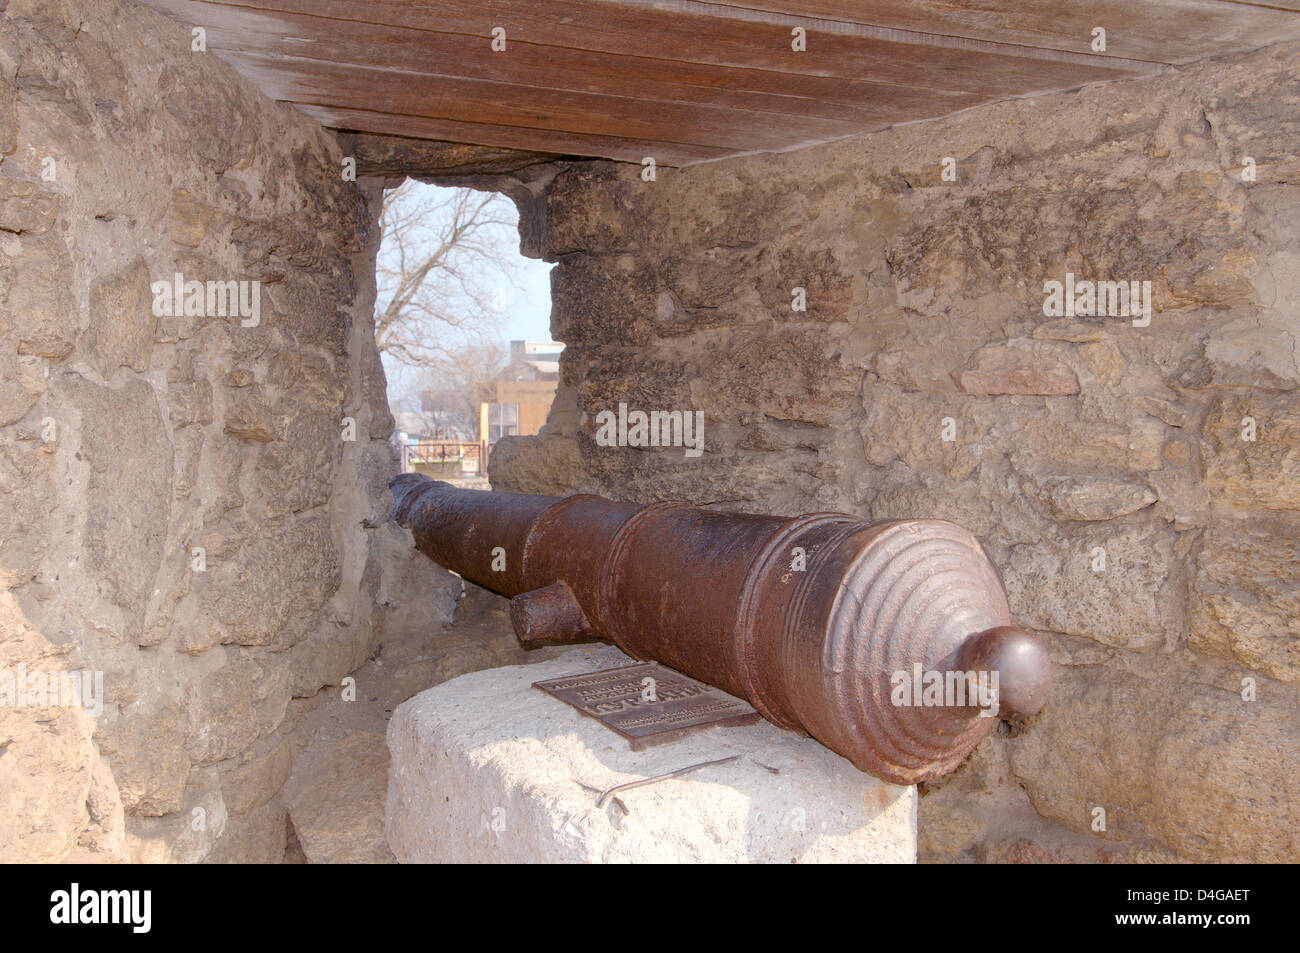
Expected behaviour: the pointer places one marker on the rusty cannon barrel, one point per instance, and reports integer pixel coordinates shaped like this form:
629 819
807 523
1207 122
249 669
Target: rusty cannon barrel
879 639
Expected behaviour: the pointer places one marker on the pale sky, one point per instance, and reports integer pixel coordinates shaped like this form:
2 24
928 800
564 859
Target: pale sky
528 310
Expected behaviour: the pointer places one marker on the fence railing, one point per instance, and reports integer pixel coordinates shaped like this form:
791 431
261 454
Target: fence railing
443 455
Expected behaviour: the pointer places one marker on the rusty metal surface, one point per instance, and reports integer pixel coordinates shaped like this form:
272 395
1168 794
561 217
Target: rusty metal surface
549 614
648 704
818 621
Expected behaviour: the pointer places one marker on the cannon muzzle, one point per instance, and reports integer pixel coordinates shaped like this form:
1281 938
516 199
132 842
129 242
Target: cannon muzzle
889 641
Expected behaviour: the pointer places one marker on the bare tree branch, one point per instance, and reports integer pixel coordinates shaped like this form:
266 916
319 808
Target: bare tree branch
447 258
446 397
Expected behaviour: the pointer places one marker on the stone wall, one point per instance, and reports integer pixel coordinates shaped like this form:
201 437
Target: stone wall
1071 436
130 441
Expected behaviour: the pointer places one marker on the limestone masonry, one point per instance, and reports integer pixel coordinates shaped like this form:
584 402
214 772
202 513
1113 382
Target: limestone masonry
1077 339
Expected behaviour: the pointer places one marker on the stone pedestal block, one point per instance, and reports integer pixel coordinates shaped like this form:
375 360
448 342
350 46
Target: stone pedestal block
486 768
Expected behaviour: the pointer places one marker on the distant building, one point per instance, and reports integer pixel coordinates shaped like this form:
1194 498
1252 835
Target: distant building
518 400
533 361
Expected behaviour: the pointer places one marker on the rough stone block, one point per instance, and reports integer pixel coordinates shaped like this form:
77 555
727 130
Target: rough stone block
1094 498
1200 770
1245 604
121 320
1106 584
593 293
1009 370
37 299
1254 460
486 768
146 752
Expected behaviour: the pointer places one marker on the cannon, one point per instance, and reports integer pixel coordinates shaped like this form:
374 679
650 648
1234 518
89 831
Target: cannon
870 636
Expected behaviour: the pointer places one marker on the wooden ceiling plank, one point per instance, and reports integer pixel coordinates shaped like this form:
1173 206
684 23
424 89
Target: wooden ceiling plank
1150 32
1164 31
541 140
441 54
729 44
303 80
1266 4
711 40
692 80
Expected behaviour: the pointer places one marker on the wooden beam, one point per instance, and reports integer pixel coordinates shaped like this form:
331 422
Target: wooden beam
386 155
512 137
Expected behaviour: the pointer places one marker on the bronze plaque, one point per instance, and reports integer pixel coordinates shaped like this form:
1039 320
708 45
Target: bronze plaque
648 704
